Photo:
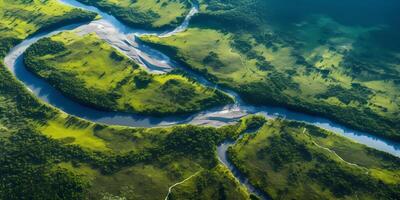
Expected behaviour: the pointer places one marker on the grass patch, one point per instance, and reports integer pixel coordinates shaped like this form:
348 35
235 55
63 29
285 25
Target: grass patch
293 160
19 19
222 181
315 64
75 159
73 132
46 154
100 76
149 14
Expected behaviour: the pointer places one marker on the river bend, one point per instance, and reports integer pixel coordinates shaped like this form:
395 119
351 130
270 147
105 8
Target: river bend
123 38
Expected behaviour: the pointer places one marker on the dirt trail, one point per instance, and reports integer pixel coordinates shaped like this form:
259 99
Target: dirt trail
179 183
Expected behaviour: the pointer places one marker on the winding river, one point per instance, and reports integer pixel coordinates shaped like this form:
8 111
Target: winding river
123 38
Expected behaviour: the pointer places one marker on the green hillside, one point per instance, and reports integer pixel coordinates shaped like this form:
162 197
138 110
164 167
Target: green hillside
21 18
290 160
90 71
311 56
316 61
148 14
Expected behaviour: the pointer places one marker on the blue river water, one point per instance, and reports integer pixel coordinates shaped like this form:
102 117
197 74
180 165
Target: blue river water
152 59
123 38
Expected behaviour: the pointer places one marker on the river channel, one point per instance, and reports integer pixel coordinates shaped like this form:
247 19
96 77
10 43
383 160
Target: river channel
123 38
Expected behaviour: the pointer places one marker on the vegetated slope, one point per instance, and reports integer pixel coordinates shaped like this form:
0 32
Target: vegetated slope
46 155
93 73
291 160
147 14
21 18
79 165
190 188
301 56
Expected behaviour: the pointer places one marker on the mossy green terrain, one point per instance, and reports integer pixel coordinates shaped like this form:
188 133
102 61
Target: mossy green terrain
198 186
92 72
318 64
144 163
152 161
80 159
149 14
47 154
77 159
19 19
291 160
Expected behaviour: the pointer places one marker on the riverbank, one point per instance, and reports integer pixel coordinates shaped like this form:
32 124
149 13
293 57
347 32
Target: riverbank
305 93
131 148
214 117
287 159
91 72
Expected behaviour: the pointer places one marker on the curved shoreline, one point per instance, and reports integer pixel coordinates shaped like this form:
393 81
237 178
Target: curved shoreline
222 152
123 38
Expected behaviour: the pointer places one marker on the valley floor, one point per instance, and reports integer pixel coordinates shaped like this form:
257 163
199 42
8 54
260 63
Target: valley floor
48 154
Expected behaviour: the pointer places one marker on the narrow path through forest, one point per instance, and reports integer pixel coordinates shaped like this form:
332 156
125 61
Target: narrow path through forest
179 183
334 153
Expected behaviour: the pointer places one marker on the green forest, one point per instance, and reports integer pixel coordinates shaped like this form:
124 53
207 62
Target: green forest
318 65
148 14
94 73
309 57
291 160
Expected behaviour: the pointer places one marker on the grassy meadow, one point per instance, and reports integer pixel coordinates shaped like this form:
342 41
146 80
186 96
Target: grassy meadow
80 159
291 160
148 14
19 19
48 154
319 63
45 154
62 157
198 186
100 76
143 163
